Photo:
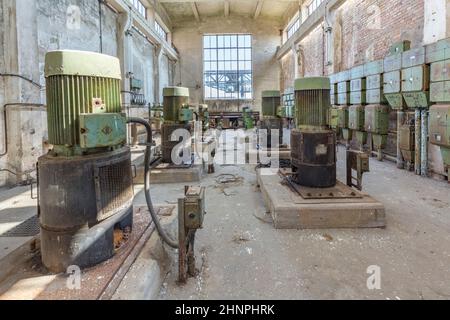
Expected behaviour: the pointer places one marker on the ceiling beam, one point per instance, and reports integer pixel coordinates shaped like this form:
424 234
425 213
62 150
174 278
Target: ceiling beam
258 9
227 8
195 10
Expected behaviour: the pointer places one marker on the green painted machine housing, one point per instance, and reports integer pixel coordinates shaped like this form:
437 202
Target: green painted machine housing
439 131
377 119
176 105
312 102
439 127
81 83
333 119
356 118
271 100
343 117
415 86
100 130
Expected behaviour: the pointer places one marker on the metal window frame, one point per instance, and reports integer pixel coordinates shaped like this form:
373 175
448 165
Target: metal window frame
238 60
160 30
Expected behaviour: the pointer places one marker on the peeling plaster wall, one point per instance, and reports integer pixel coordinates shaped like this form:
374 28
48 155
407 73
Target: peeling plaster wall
187 38
28 30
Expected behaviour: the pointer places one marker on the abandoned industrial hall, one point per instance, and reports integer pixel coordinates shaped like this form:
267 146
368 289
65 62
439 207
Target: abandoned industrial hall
176 150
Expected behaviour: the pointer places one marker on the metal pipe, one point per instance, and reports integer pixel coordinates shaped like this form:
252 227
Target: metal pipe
400 121
164 236
5 123
21 77
424 144
417 152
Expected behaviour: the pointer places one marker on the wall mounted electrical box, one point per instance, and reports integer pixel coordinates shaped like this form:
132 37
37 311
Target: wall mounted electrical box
377 119
437 51
374 92
356 117
415 86
343 119
440 81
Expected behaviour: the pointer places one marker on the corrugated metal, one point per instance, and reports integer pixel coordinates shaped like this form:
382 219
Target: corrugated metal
312 107
69 96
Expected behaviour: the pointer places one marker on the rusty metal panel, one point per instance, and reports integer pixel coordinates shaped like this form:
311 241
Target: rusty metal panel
358 84
416 79
392 82
440 91
440 71
374 81
393 62
437 51
407 141
413 57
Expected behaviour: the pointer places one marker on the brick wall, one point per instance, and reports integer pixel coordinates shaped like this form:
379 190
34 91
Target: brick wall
363 30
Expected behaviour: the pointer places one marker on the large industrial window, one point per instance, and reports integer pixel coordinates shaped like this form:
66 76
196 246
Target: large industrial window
159 30
293 28
139 6
228 72
313 6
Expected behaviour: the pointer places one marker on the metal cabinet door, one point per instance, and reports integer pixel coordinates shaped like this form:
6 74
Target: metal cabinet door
440 91
374 82
357 85
415 79
438 51
440 71
392 82
413 57
374 67
343 87
393 62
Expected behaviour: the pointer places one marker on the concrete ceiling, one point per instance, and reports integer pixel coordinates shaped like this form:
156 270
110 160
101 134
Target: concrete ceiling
200 9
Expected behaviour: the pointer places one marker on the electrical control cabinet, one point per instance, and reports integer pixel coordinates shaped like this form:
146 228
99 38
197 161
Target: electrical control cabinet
440 125
437 51
413 57
393 62
358 97
415 86
343 120
344 98
358 84
440 71
356 117
392 82
375 96
377 119
374 82
416 79
373 68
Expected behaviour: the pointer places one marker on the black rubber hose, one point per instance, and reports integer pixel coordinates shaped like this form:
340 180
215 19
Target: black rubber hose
162 233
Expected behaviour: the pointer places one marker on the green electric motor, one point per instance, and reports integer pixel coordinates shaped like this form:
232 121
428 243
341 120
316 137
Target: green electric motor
83 102
312 96
176 105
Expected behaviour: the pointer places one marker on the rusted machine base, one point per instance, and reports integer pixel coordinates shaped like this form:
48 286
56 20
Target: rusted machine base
290 210
31 281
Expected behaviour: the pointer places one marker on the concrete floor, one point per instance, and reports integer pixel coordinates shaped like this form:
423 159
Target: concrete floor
242 257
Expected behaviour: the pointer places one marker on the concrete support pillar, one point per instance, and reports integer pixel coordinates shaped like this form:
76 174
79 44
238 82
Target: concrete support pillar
21 57
157 73
437 20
